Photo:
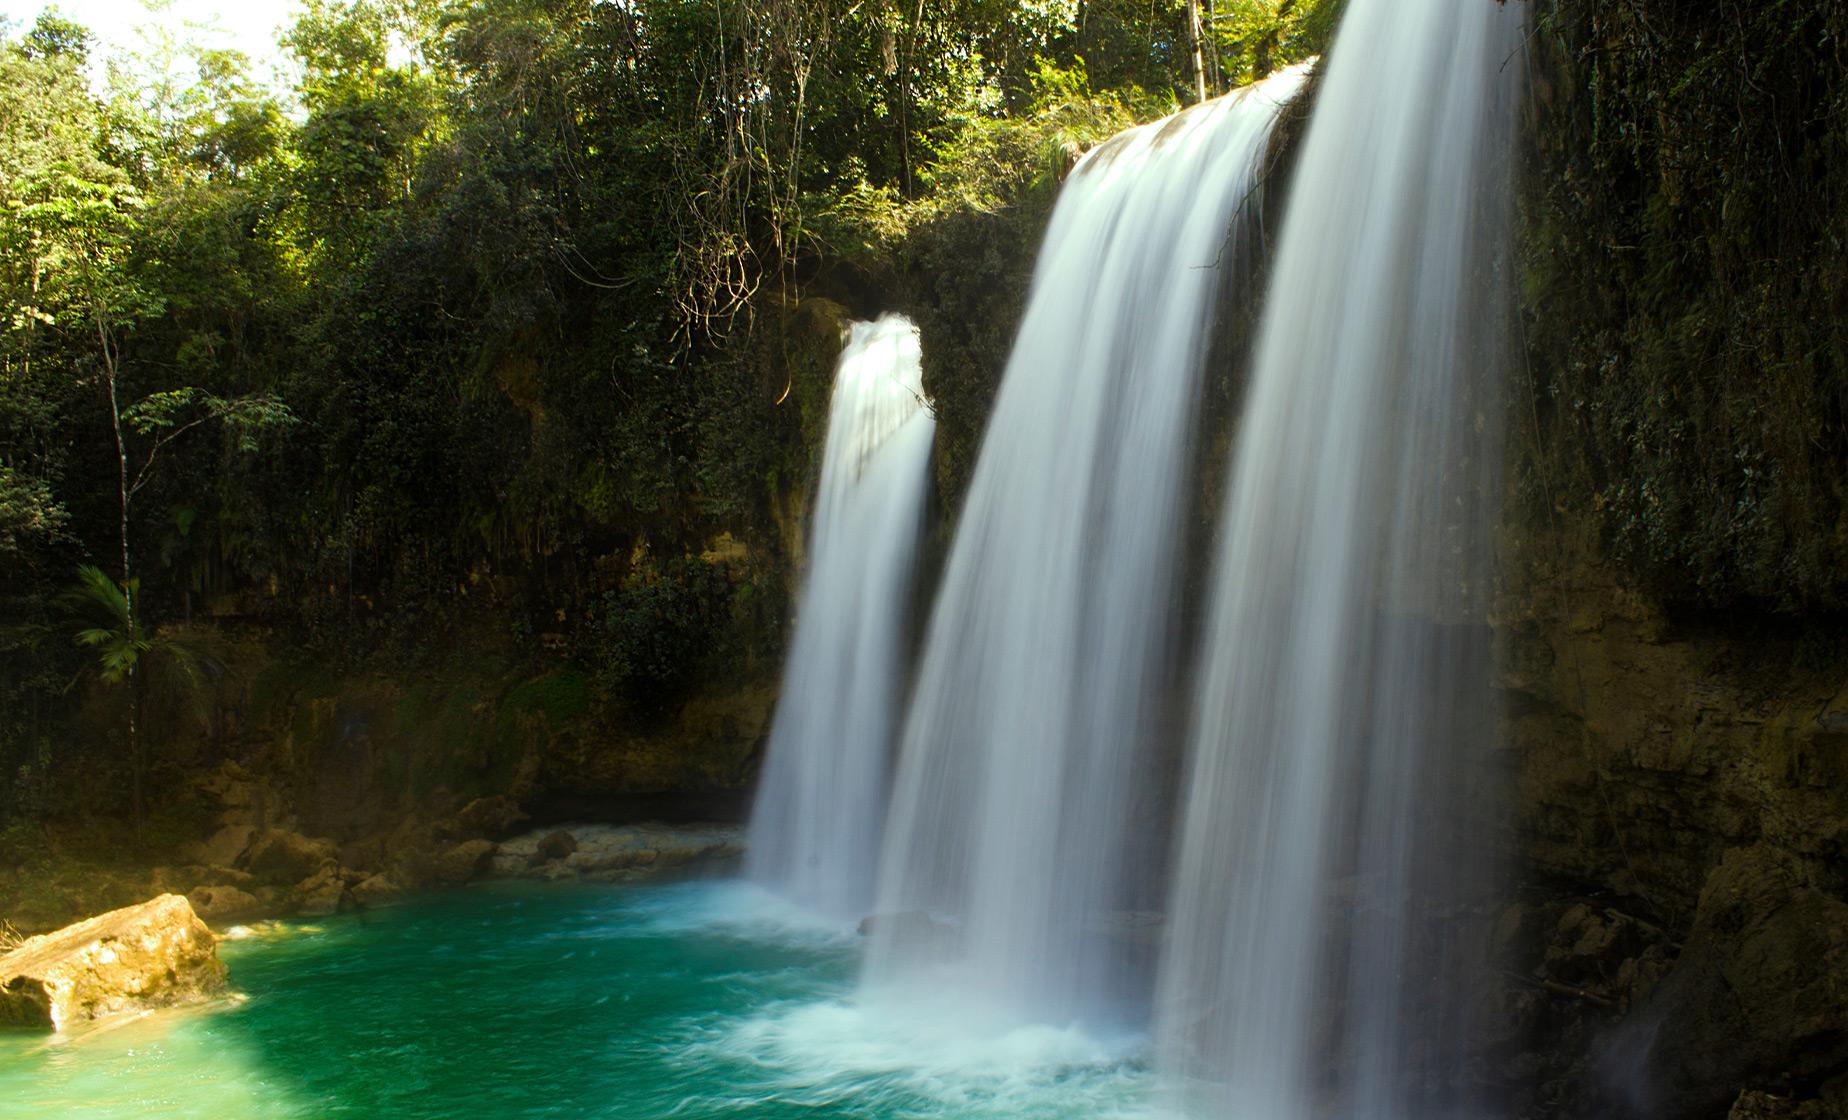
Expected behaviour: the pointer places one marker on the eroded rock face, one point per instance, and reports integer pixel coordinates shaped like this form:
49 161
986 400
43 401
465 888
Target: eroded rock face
155 954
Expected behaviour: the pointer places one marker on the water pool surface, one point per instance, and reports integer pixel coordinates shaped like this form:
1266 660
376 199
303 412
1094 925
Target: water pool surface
513 1001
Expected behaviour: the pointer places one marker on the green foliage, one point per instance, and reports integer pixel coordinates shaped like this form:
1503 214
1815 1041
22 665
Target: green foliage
502 299
1685 295
655 634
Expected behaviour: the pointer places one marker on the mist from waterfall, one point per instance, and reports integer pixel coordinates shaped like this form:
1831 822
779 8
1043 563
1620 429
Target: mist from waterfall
821 802
1026 811
1320 933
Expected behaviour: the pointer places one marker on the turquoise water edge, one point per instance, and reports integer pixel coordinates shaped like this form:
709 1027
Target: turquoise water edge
509 1001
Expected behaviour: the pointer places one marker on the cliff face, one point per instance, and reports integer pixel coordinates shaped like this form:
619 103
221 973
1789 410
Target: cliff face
1670 644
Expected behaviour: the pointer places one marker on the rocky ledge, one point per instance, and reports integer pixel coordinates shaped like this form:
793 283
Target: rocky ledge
155 954
618 853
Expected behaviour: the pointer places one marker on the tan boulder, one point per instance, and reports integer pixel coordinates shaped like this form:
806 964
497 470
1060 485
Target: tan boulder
154 954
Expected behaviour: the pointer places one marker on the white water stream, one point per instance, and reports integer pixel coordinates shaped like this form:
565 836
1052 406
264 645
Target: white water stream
1026 811
1320 907
821 801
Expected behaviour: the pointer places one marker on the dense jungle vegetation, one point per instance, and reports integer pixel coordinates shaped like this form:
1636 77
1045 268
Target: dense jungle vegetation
507 328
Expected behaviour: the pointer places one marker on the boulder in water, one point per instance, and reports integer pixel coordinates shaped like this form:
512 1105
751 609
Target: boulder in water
155 954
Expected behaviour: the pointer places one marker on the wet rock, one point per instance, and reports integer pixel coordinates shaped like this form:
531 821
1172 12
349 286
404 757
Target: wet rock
557 845
325 892
219 904
1765 1106
1759 996
224 847
620 853
486 817
382 889
287 857
154 954
913 931
461 863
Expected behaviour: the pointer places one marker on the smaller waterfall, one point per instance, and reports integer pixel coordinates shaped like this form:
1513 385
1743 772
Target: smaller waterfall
821 802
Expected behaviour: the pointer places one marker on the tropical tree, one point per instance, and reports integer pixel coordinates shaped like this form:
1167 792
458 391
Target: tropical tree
124 652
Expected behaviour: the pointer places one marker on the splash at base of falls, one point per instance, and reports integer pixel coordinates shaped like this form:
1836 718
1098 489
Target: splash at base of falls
1027 806
821 802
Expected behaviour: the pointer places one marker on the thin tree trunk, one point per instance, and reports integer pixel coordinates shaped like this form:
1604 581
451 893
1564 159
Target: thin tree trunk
1193 40
904 96
136 762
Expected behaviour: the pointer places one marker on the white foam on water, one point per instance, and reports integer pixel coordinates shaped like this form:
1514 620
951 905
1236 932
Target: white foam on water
733 908
927 1061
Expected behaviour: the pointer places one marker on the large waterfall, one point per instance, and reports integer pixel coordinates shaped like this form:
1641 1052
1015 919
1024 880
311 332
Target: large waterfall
821 802
1025 817
1316 962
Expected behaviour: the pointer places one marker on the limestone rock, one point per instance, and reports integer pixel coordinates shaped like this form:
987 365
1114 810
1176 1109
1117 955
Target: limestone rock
323 893
620 853
223 903
154 954
557 845
486 816
378 890
287 857
1758 997
1765 1106
462 863
224 847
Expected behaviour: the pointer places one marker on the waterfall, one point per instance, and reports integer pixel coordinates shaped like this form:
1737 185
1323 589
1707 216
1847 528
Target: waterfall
1317 943
1027 759
821 802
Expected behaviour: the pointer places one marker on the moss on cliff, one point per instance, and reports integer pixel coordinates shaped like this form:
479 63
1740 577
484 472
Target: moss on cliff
1686 303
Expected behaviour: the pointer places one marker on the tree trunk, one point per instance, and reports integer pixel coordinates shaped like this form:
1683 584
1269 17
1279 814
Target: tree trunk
1194 38
136 763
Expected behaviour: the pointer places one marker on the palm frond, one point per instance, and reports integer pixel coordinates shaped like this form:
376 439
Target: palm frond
98 594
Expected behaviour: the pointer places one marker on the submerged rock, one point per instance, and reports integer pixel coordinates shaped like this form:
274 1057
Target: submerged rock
155 954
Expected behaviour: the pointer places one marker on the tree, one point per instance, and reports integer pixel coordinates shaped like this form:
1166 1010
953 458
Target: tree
124 651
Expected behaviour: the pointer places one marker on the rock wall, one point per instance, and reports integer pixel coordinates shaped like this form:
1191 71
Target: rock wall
1670 646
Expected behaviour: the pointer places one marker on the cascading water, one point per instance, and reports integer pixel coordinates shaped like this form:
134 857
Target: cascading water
1322 863
1027 748
821 802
